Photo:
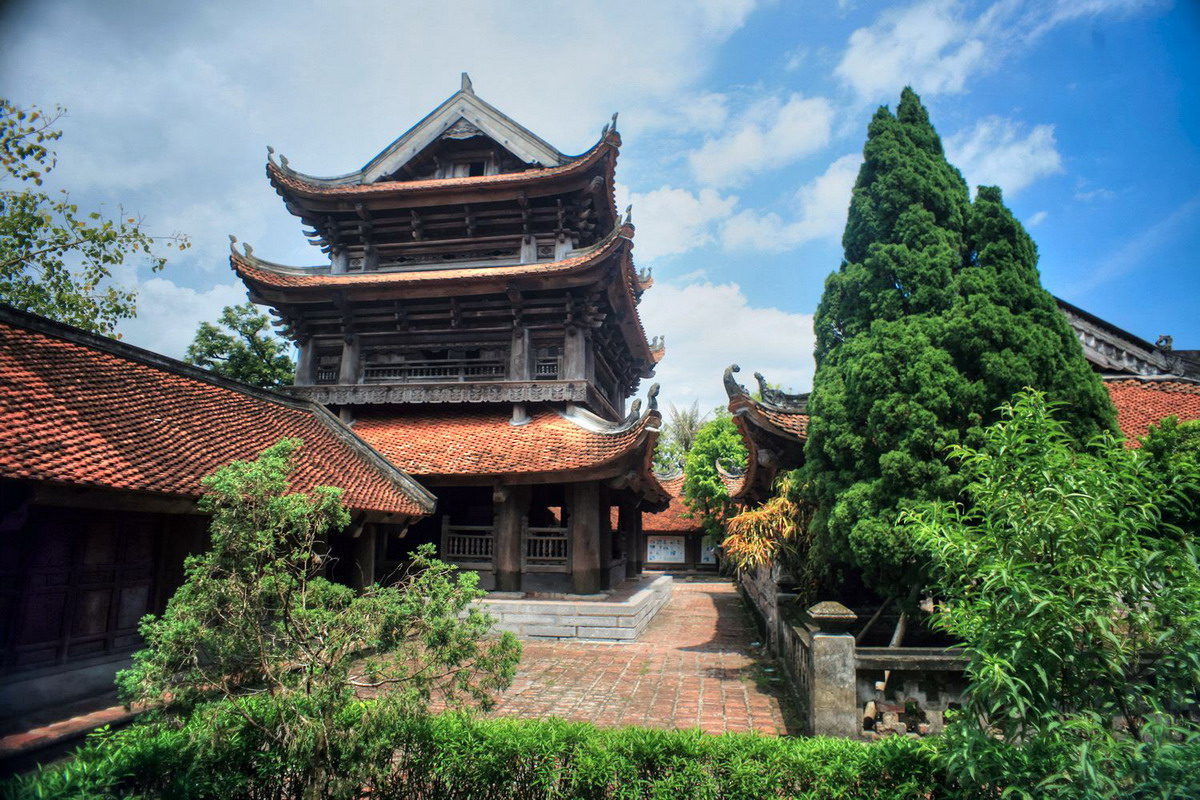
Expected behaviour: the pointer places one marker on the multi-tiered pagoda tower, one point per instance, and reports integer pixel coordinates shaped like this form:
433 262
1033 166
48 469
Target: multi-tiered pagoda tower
477 324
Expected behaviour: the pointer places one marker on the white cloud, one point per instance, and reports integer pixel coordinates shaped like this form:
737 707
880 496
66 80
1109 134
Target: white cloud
769 134
671 221
820 205
1037 218
928 46
1138 252
168 314
1094 194
997 153
710 326
934 47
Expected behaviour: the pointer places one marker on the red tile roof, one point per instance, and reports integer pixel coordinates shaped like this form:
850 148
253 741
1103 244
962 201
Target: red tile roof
284 178
1141 402
794 424
676 518
83 410
258 272
481 441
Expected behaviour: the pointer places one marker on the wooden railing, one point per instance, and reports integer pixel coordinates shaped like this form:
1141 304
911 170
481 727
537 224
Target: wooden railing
547 369
545 550
470 546
425 371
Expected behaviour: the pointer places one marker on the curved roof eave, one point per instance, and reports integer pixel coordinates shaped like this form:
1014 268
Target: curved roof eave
286 179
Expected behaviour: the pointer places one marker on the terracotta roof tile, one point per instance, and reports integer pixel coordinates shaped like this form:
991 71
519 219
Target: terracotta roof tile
1141 402
88 412
482 441
675 518
255 271
795 424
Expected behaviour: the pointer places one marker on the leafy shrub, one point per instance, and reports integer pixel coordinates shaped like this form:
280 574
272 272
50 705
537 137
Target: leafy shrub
1078 601
456 756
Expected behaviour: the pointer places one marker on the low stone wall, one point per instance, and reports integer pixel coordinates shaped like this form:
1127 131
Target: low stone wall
849 691
579 618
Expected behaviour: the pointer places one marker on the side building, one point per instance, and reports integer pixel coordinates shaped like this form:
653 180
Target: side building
477 323
102 448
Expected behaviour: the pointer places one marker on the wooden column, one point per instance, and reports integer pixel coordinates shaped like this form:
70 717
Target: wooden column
584 508
511 504
364 557
575 355
306 363
629 521
351 350
339 260
639 541
520 359
606 538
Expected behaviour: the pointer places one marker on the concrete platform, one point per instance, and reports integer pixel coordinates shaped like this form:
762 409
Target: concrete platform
618 616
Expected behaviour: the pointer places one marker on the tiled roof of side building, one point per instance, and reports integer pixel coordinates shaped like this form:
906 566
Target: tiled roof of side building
794 424
676 518
82 410
1144 401
482 441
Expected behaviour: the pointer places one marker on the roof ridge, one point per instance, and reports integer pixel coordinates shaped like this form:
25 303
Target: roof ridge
1118 376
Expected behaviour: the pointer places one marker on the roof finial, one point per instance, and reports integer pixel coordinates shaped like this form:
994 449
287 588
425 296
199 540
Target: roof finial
233 243
613 127
629 214
466 84
732 387
652 397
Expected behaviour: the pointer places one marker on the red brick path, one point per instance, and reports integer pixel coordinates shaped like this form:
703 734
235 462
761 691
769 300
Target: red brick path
693 667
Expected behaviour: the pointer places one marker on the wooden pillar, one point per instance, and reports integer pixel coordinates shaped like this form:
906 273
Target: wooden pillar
370 258
351 350
639 541
575 355
306 363
628 520
520 357
606 537
511 505
585 537
339 260
364 557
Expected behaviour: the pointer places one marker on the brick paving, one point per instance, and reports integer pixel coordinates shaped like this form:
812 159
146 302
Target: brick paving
694 666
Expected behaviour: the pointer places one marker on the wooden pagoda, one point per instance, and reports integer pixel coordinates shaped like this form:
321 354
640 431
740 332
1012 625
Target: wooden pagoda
477 324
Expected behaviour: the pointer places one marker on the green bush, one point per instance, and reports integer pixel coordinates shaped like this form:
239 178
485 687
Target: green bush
456 756
1076 594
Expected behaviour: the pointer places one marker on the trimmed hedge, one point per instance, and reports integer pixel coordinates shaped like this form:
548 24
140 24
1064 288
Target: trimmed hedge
454 756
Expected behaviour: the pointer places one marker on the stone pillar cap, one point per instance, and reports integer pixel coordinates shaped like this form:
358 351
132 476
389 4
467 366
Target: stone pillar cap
832 616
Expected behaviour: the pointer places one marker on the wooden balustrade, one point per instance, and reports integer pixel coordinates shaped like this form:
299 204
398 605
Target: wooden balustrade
545 550
470 546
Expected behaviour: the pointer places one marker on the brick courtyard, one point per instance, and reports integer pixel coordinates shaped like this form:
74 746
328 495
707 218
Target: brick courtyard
693 667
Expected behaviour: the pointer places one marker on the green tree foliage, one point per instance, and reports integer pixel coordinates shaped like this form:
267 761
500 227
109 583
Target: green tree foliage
243 348
1079 608
256 644
54 259
717 442
1173 448
678 434
934 319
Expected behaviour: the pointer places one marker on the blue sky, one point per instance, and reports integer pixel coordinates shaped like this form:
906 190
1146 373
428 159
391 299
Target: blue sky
743 122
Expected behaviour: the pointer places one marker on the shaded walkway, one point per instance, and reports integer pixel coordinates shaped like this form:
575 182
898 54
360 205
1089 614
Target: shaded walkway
693 667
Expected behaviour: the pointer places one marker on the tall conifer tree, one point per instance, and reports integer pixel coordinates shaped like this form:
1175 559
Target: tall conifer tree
934 319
